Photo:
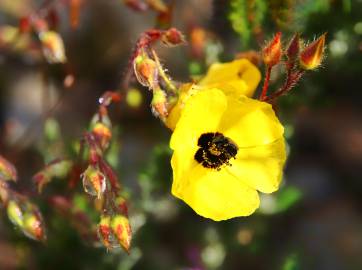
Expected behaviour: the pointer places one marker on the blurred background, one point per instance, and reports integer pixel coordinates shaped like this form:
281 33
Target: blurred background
313 222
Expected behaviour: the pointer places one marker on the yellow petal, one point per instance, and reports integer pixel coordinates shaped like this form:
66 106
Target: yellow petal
249 122
239 77
260 167
216 194
185 91
201 114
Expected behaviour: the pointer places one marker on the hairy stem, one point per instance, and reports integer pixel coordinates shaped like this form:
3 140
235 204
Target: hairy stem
266 83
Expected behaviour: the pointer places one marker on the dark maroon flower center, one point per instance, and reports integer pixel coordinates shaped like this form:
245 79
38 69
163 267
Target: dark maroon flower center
215 150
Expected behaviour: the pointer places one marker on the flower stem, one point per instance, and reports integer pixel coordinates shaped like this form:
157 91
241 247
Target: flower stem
291 80
266 83
162 73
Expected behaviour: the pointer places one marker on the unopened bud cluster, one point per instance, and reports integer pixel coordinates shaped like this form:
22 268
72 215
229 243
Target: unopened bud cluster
149 71
101 182
27 218
115 231
309 57
298 59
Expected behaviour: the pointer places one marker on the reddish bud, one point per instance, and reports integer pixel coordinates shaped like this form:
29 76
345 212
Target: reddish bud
27 217
311 56
172 37
146 71
94 182
24 25
159 103
34 227
105 233
53 47
293 47
121 205
59 168
15 213
122 231
272 52
7 170
108 97
103 134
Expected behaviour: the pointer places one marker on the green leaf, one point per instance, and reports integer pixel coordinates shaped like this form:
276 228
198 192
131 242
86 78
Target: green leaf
287 197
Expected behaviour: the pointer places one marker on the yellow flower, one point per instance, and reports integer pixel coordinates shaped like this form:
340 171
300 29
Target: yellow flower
226 149
237 78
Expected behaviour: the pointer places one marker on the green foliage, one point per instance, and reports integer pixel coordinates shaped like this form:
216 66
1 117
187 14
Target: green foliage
291 263
246 17
287 198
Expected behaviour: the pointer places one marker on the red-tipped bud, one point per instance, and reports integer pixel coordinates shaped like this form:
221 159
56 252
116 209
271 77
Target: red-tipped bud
105 233
103 134
94 182
34 227
24 25
7 170
146 71
272 52
121 205
159 103
172 37
108 97
53 47
15 213
293 47
59 168
311 56
27 217
122 231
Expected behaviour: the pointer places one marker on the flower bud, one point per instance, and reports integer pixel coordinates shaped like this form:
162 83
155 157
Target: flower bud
311 56
157 5
24 25
7 170
146 71
59 168
94 182
272 52
103 134
121 205
172 37
105 233
53 47
293 48
33 226
122 230
15 213
159 103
